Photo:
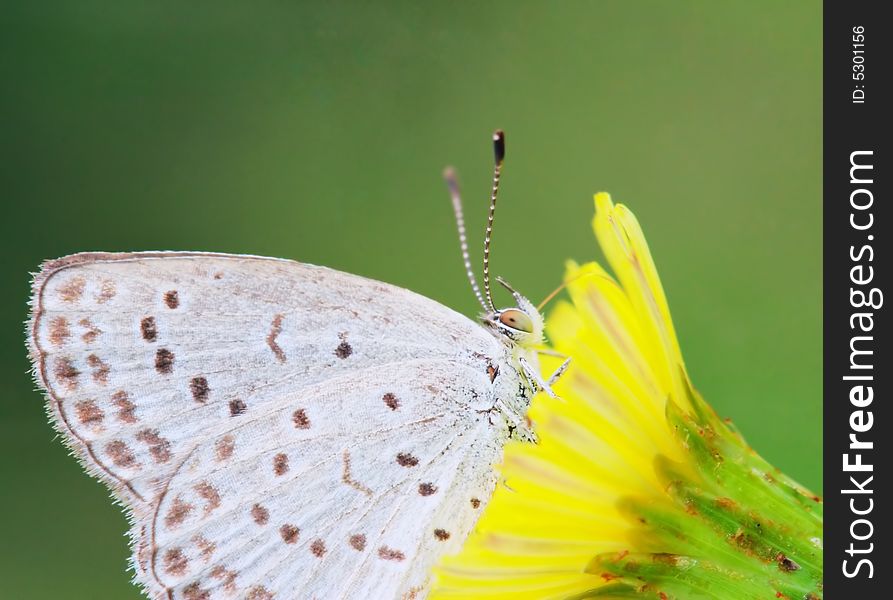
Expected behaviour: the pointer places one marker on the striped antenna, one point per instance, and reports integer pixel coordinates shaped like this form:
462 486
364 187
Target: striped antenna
449 175
499 157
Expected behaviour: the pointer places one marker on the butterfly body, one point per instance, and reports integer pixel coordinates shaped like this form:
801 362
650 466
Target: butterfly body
277 429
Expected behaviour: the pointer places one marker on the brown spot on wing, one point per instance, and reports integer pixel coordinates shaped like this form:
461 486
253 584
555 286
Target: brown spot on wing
289 533
260 515
91 331
346 477
72 290
149 329
411 594
159 447
357 541
164 361
88 413
391 401
492 372
172 299
59 331
237 407
300 419
318 548
427 489
194 591
386 553
205 547
275 330
280 464
226 577
442 535
209 494
66 373
225 447
106 291
175 562
405 459
122 456
100 369
199 388
475 503
178 513
126 408
343 350
259 593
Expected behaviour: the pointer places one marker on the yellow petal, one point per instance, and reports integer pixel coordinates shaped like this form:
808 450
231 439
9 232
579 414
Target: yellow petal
624 245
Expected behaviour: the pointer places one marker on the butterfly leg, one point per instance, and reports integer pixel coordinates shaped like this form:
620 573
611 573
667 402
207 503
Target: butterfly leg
536 380
559 372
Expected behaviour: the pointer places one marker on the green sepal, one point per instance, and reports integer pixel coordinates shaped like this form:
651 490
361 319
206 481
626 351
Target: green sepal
735 527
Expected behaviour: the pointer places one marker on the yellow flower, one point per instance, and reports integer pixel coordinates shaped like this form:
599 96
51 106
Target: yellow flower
635 488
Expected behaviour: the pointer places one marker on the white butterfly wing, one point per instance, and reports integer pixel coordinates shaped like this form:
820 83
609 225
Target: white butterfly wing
198 386
353 507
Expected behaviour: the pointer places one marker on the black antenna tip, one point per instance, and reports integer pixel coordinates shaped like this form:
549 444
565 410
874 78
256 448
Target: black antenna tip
499 146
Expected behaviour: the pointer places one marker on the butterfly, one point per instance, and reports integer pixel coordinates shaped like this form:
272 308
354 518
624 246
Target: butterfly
283 430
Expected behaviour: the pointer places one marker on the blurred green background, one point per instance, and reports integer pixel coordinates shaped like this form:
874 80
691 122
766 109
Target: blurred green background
319 133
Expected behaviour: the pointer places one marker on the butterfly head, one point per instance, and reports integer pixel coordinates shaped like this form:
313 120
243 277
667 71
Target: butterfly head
521 324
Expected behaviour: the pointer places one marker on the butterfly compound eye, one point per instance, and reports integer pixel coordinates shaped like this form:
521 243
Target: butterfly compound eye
516 319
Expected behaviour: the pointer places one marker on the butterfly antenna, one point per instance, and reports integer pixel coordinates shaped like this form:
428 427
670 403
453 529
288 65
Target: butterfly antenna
499 157
449 175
